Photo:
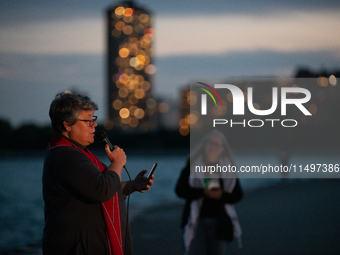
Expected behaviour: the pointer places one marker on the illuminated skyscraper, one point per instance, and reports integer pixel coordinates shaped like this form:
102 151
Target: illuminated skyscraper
130 68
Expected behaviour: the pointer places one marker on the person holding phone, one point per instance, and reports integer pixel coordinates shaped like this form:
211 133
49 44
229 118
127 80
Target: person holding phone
209 218
85 212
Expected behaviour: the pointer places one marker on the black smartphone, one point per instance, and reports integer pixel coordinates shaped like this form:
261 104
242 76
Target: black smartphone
149 175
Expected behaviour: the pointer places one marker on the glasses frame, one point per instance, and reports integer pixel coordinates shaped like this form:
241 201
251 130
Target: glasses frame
214 144
90 122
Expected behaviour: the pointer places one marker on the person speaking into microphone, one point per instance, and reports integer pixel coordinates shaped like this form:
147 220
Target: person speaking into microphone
85 212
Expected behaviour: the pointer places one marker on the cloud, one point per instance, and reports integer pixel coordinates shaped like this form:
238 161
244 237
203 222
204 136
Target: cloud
28 83
85 35
176 71
41 58
188 35
283 32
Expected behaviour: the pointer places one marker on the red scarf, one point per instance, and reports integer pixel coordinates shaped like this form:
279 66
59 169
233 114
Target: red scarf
110 208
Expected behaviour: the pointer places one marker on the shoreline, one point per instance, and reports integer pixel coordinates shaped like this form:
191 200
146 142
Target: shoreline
291 217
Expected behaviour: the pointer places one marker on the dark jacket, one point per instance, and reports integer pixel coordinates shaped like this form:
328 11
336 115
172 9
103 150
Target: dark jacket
183 190
73 189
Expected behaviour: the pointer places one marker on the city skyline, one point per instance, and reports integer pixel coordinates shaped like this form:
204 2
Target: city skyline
46 47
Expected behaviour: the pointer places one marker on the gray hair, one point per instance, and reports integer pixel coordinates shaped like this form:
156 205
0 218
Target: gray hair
67 107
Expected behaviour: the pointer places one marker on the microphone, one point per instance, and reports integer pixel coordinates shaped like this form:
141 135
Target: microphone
101 136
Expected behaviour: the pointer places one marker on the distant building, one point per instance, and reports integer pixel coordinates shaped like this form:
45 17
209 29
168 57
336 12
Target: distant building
305 72
129 68
184 112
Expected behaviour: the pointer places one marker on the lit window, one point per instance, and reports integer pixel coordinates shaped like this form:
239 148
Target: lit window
124 113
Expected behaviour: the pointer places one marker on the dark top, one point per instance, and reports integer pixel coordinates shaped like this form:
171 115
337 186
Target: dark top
210 207
73 189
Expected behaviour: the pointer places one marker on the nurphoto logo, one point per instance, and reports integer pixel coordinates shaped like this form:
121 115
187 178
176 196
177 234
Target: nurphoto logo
239 97
267 121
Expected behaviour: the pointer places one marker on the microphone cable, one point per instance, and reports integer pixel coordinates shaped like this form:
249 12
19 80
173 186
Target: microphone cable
127 206
101 136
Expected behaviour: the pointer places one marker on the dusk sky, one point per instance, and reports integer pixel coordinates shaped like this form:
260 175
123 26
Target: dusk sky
48 46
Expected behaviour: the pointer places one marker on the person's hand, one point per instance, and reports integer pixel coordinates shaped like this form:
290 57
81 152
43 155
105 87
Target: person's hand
117 155
138 182
117 158
213 193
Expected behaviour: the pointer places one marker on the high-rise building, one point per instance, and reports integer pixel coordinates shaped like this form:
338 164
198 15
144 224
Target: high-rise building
130 68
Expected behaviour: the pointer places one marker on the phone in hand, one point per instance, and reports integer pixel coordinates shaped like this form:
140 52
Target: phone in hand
149 175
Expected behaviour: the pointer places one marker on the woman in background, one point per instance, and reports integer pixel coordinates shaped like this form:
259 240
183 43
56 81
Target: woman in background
209 218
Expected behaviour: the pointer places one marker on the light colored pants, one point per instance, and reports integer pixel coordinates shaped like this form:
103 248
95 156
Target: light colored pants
205 241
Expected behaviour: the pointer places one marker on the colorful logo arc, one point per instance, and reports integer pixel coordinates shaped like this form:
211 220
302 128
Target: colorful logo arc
209 93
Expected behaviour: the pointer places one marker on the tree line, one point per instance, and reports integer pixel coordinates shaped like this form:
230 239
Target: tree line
34 138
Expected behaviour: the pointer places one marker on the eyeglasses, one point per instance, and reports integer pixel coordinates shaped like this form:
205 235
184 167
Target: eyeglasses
90 122
214 144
